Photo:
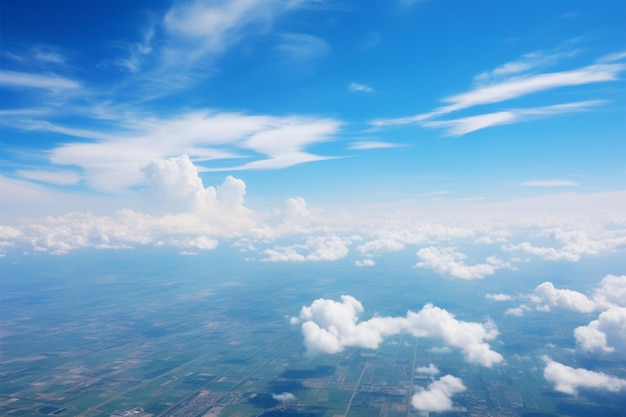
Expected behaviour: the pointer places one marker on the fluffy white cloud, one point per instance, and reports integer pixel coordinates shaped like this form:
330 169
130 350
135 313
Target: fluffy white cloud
611 292
438 396
607 334
430 369
546 296
330 248
589 240
284 397
365 262
569 380
446 261
330 326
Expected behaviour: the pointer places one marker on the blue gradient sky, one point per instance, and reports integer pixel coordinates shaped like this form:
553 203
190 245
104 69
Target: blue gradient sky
368 81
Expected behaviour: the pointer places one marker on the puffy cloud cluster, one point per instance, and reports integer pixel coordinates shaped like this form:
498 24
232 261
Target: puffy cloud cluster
438 396
569 380
330 326
605 335
328 248
574 243
448 262
187 215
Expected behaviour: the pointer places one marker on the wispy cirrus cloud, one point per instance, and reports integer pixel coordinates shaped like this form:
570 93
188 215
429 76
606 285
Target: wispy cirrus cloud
14 79
357 87
463 126
511 81
549 183
110 159
371 144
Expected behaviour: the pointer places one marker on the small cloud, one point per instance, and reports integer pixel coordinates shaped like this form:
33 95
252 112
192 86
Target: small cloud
356 87
448 262
549 183
430 369
438 396
371 144
516 311
284 397
365 262
498 297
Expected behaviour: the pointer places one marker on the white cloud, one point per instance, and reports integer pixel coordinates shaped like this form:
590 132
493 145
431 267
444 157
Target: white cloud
546 296
284 397
569 380
213 27
317 248
365 262
505 83
590 240
463 126
498 297
611 292
51 177
329 327
299 49
607 334
380 246
430 370
517 87
515 311
446 261
438 396
111 160
356 87
549 183
45 82
371 144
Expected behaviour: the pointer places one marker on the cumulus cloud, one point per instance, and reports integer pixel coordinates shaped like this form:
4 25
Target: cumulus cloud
330 326
607 334
574 243
448 262
569 380
546 296
364 262
284 397
430 370
610 292
324 248
438 396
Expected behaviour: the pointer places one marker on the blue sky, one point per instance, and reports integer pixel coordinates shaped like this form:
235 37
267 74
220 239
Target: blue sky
345 105
471 138
487 95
